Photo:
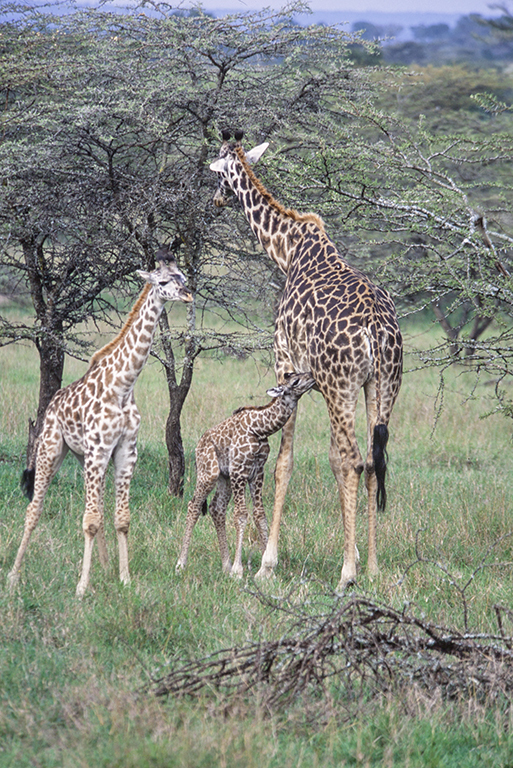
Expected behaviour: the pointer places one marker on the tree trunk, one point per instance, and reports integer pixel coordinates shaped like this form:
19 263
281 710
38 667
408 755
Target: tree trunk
176 456
51 355
177 394
51 366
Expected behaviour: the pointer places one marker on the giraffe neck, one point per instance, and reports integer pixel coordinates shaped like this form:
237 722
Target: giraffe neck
125 356
271 418
278 229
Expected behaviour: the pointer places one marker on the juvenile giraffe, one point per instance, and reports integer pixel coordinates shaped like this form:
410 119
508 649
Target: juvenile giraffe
333 321
96 418
232 454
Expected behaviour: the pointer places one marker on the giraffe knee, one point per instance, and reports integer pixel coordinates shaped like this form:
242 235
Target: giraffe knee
123 527
91 529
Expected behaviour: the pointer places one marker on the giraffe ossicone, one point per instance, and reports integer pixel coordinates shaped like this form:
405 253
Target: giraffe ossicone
232 455
333 321
96 418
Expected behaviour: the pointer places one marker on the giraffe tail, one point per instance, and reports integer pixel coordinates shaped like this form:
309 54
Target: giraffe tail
379 457
204 508
27 482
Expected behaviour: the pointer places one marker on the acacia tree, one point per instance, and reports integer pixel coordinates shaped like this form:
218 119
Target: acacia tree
431 214
111 120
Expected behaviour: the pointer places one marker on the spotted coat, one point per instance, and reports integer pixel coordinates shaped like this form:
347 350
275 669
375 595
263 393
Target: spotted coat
232 455
333 321
96 418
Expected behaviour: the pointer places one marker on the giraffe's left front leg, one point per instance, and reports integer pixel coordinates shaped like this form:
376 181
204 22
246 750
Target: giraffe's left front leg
95 467
240 518
125 457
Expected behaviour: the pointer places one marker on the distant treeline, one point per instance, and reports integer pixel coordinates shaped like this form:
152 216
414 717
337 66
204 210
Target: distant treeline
473 40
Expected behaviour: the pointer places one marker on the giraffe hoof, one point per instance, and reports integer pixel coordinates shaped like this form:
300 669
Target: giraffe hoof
13 578
265 572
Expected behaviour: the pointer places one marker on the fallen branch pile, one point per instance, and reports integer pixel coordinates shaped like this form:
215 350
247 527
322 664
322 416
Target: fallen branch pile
355 645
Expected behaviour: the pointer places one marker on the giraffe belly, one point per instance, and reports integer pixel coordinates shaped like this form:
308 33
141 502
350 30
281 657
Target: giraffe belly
329 353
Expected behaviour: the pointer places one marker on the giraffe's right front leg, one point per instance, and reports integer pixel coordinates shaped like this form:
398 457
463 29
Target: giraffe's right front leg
282 475
50 455
95 467
217 509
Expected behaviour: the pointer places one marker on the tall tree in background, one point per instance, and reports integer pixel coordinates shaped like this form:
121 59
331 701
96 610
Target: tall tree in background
109 120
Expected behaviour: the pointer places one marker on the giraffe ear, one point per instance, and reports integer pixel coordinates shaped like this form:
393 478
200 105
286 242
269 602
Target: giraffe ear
145 275
275 392
253 155
218 166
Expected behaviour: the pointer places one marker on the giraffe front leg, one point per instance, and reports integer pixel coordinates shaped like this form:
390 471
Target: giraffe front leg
218 511
255 487
125 458
282 475
102 544
371 482
95 466
240 520
372 485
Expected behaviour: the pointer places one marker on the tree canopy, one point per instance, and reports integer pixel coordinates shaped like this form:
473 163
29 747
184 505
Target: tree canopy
110 121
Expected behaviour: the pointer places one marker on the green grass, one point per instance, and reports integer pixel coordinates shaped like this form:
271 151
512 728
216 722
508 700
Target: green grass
70 670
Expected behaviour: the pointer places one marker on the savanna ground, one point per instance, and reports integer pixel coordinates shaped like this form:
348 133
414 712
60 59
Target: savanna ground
71 671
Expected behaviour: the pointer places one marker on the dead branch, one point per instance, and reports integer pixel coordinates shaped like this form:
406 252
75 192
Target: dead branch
356 644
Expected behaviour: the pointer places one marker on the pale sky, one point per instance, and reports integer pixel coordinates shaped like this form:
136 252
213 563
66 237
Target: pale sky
460 7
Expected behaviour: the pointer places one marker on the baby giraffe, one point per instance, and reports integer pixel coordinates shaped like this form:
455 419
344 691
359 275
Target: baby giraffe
96 418
232 454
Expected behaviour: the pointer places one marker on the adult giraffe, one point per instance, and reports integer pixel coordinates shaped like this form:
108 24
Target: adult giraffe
333 321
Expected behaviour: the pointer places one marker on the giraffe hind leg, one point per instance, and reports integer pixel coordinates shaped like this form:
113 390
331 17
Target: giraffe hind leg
194 509
50 455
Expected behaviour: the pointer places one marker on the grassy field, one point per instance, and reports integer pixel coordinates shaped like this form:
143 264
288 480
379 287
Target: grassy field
70 670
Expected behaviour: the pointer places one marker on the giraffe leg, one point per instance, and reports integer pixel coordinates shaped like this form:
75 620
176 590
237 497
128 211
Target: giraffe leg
336 468
207 478
125 458
95 466
256 484
50 454
350 469
370 477
240 520
102 544
282 475
217 509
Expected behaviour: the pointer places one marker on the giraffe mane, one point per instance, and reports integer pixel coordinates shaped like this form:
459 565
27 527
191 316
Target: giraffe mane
104 351
252 408
288 212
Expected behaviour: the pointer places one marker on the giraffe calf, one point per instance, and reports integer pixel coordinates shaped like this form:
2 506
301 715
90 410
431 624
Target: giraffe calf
96 418
233 454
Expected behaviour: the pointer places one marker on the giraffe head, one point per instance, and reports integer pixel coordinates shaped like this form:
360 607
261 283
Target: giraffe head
224 166
168 281
294 386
